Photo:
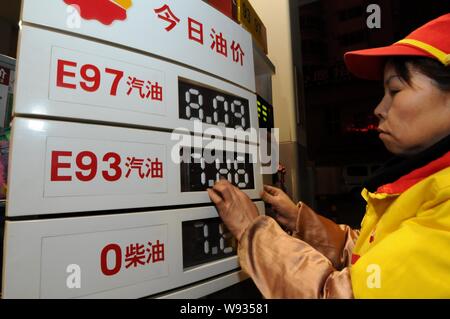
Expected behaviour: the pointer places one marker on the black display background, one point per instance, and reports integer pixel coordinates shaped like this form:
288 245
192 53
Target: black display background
194 242
269 123
208 96
191 172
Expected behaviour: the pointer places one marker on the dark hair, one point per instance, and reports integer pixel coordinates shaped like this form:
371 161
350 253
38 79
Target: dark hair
427 66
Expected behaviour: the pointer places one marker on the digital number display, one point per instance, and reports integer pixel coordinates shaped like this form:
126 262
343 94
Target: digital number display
265 113
212 107
205 241
198 174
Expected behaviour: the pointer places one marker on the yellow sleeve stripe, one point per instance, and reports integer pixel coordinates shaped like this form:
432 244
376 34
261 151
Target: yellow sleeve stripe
443 57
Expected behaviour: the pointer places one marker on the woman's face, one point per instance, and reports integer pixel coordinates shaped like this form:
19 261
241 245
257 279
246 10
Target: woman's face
412 117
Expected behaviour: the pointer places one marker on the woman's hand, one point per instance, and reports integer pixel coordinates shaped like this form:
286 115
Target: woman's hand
235 208
285 208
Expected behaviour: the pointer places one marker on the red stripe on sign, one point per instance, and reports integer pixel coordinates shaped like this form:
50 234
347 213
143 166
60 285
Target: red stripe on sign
355 258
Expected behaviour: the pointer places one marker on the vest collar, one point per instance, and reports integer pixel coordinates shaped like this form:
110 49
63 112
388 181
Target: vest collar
400 173
417 175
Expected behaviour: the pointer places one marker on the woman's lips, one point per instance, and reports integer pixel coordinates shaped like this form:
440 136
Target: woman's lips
382 132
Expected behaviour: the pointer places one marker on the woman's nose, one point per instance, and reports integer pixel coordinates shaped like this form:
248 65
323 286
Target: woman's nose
381 109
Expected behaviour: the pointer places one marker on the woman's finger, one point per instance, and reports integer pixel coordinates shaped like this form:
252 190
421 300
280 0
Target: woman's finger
266 197
271 190
215 198
224 189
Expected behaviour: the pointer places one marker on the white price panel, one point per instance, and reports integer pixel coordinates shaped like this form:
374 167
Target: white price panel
63 76
81 78
62 167
186 31
130 255
90 167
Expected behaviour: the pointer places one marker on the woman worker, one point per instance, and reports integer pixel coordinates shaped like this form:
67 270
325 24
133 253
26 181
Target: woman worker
402 249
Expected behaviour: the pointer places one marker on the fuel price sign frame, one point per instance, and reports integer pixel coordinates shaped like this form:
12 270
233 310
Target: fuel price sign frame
62 76
85 168
106 160
131 255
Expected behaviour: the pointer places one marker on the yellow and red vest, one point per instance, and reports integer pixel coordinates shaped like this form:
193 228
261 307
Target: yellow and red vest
403 250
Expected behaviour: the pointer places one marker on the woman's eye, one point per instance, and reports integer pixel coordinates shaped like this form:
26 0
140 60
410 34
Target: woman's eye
393 91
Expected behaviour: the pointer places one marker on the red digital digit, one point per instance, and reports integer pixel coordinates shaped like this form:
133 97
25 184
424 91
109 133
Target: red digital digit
104 260
93 79
61 74
113 165
118 76
56 165
91 167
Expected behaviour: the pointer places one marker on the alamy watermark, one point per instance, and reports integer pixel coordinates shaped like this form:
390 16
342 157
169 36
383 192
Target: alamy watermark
253 145
73 280
374 19
73 20
374 278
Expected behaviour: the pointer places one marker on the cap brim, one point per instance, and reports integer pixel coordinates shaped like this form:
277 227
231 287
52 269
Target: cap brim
369 64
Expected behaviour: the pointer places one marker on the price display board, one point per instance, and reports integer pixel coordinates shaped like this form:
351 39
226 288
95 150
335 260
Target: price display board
198 174
132 255
67 77
85 168
125 113
205 241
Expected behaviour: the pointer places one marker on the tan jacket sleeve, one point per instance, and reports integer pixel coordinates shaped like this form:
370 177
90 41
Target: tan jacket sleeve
334 241
286 267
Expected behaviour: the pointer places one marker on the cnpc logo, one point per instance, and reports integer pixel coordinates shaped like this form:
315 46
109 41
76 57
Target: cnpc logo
104 11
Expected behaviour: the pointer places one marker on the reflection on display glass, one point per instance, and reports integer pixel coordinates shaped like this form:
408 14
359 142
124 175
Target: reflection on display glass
205 241
198 173
212 107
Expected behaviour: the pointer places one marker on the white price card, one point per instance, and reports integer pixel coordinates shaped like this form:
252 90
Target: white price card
62 167
62 76
130 255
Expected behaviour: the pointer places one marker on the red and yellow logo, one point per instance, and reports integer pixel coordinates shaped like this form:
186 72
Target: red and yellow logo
104 11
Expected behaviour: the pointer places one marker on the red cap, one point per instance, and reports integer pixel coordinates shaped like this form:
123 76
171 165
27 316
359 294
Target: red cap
430 40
